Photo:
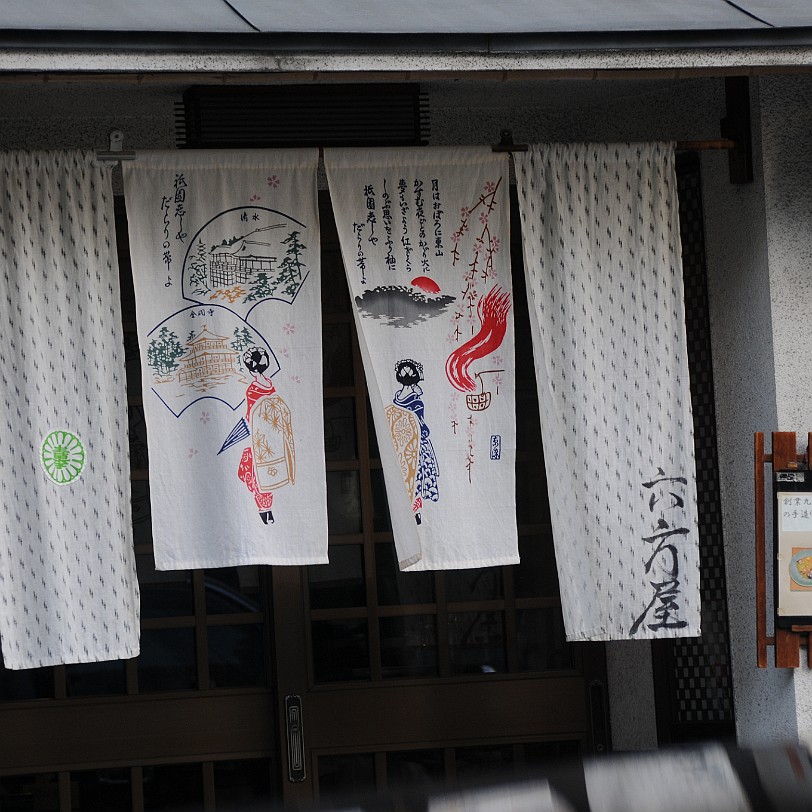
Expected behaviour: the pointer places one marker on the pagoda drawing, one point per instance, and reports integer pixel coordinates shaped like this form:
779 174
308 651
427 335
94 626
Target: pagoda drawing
210 357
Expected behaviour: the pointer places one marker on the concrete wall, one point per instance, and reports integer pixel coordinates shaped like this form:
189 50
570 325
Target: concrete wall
744 376
786 132
741 240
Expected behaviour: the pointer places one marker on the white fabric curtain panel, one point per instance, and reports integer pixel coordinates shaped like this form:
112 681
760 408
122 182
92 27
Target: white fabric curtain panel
226 268
604 284
425 238
68 591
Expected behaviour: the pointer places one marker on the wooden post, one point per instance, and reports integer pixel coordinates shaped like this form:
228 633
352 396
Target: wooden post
787 643
761 553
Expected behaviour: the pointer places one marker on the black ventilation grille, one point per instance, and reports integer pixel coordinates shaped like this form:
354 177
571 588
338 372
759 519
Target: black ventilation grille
380 115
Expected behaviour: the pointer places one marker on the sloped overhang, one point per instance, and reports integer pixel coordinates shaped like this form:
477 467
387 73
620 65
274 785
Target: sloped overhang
407 36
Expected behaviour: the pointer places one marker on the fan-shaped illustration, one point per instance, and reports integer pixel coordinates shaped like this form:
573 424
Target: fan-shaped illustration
244 256
197 353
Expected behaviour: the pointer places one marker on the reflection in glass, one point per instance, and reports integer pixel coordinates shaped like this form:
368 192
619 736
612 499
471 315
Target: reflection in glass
381 521
334 294
132 363
346 776
337 355
340 440
473 584
340 650
89 679
374 452
163 593
541 640
93 790
243 786
341 582
476 642
142 514
173 787
409 646
138 437
396 587
236 656
414 770
536 576
167 660
232 590
27 793
532 502
28 683
539 754
474 762
343 502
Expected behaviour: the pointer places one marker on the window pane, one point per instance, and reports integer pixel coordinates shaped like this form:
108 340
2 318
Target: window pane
532 503
176 787
340 650
474 762
343 502
244 785
536 575
473 584
163 593
337 354
167 660
236 657
346 777
29 683
400 588
138 437
414 770
88 679
232 590
101 789
29 793
341 582
334 294
340 438
142 514
476 642
409 646
541 640
381 521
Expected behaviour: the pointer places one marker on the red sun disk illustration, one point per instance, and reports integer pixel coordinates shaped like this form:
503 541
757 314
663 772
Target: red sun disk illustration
426 284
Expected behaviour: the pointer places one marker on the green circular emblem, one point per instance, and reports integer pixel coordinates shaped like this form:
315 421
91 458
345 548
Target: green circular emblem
62 456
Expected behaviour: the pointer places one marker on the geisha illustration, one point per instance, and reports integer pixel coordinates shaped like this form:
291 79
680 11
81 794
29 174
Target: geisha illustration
269 462
410 435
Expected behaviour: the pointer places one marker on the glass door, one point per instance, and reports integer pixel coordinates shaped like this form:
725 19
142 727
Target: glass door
427 676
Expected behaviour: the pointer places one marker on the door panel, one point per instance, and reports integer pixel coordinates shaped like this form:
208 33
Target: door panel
429 671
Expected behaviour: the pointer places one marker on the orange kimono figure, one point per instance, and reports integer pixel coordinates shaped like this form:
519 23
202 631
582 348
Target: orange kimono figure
269 462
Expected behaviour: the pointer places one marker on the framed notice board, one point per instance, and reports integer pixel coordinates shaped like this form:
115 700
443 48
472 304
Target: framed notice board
793 547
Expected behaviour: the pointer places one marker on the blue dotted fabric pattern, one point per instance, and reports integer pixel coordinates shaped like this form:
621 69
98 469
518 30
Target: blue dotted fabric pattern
68 589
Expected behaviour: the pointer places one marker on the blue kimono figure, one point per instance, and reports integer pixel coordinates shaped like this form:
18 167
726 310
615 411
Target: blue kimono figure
411 437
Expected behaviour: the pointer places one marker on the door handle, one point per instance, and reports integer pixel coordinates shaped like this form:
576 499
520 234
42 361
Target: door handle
294 729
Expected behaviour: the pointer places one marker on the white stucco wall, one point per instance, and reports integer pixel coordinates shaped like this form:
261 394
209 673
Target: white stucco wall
786 132
742 243
744 377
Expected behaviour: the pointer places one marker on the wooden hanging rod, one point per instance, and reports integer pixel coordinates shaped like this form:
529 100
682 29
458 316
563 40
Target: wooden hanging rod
115 153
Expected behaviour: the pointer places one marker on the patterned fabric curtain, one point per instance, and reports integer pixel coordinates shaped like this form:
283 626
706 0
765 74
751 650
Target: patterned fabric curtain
68 591
604 284
424 236
225 253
